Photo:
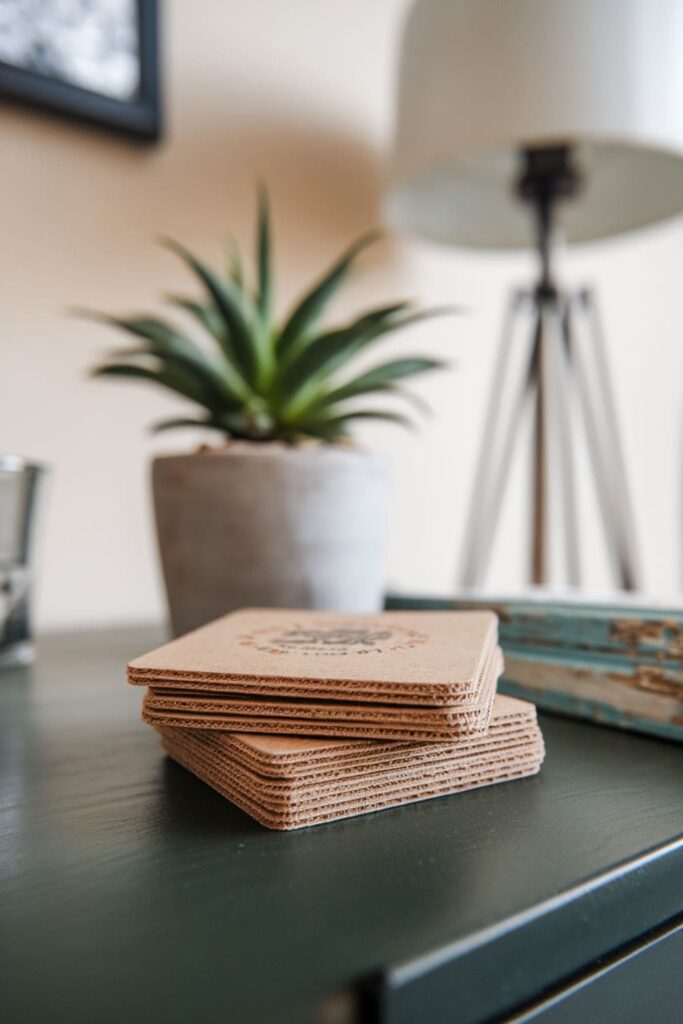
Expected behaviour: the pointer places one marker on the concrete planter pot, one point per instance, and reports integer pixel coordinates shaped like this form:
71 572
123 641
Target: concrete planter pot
270 525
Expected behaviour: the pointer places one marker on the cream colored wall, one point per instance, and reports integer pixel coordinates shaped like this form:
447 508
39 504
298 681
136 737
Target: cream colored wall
298 93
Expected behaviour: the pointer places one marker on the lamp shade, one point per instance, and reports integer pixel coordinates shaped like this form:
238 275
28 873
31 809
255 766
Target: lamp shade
481 79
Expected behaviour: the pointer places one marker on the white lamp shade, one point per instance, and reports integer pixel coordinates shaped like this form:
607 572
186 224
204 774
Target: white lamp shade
480 79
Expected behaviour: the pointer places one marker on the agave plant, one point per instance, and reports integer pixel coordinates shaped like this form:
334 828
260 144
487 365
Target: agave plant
258 380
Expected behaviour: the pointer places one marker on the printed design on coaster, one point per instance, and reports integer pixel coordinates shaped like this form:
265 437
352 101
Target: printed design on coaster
325 638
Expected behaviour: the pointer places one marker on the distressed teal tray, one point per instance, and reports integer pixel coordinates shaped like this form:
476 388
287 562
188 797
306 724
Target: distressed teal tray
618 665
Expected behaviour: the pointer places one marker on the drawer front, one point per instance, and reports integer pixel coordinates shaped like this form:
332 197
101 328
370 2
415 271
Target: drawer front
646 984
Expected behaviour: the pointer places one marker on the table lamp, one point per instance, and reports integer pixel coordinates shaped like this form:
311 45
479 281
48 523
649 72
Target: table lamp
518 121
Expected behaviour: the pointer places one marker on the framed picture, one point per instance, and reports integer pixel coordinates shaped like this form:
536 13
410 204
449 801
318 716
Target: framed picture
96 60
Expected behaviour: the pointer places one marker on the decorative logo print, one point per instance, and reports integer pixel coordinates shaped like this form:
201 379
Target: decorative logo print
325 639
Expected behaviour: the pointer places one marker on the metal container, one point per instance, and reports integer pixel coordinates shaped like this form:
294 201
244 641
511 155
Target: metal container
19 487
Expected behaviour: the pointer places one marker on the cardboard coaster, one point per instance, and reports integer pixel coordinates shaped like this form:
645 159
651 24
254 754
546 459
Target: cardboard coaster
326 815
391 658
311 799
323 807
315 727
314 718
288 796
282 756
513 725
328 770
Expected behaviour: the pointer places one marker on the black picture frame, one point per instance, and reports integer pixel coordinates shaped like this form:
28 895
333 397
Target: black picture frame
138 118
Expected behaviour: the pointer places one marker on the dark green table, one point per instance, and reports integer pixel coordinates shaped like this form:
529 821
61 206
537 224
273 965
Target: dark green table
130 892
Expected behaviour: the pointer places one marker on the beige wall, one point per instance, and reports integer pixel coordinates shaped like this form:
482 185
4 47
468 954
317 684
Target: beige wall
298 93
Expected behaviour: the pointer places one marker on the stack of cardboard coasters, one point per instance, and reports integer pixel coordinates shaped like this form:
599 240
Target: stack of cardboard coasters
287 782
305 717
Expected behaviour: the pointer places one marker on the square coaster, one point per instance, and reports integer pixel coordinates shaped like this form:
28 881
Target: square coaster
295 716
410 658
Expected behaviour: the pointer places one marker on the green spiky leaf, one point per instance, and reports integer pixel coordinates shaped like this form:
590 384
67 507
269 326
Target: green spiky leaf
167 377
175 350
206 316
335 426
235 268
330 351
178 422
305 316
264 297
232 424
380 378
229 303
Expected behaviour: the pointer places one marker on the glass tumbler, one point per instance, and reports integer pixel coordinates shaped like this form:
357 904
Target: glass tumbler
19 487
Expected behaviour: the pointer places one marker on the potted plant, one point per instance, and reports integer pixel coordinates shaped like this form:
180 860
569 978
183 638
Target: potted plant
286 511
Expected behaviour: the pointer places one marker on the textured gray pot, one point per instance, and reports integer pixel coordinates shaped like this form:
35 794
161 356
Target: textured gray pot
272 526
